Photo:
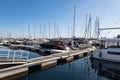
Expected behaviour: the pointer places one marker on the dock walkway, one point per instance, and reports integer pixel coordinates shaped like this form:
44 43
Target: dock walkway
45 61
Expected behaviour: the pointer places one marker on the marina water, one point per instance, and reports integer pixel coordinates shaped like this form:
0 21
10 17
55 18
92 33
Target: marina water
81 69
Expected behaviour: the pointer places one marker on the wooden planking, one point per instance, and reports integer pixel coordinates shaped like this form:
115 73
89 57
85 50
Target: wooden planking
10 60
4 61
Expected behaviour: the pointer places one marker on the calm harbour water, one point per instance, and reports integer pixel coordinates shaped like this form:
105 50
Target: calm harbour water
81 69
77 70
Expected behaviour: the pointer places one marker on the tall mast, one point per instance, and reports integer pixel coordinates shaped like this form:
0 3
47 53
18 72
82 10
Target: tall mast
49 30
34 30
74 21
97 32
40 31
89 26
44 32
54 30
68 31
57 31
98 25
29 34
86 28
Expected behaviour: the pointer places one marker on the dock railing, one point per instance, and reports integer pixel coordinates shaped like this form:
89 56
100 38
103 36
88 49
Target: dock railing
14 55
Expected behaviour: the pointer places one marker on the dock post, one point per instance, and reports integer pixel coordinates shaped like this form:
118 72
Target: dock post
14 56
28 56
21 54
8 54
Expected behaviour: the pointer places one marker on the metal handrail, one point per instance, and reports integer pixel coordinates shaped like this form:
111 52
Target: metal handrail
15 55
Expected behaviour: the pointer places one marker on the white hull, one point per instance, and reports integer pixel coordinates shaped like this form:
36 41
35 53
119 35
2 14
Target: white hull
110 54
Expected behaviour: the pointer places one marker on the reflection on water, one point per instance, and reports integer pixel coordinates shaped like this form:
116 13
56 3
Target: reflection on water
77 70
107 69
81 69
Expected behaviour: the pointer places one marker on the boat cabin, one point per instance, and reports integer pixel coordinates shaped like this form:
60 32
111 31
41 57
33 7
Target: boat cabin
54 44
110 43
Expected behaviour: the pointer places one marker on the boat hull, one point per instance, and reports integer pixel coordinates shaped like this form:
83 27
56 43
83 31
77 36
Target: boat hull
107 54
51 47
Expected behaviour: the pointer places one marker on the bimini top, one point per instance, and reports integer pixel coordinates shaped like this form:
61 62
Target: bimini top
111 40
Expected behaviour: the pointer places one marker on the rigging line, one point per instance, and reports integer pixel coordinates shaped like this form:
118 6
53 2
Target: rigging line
70 20
105 7
74 20
49 30
40 35
95 28
116 22
82 31
68 31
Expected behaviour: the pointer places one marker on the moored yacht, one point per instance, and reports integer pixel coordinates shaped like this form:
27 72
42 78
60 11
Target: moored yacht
54 46
110 51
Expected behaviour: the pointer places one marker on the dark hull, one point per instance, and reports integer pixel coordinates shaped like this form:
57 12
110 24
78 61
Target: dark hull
51 47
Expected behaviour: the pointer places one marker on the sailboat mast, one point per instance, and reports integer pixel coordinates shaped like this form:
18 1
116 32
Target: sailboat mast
45 32
86 28
49 30
57 31
40 31
54 30
34 30
29 34
98 31
74 21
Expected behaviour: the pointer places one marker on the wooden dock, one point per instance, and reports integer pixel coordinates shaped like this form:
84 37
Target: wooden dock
45 61
10 61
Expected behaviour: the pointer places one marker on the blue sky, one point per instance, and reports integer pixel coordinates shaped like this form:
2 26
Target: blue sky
16 15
